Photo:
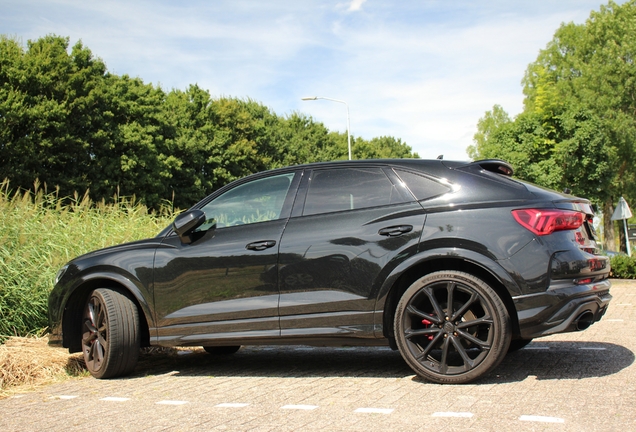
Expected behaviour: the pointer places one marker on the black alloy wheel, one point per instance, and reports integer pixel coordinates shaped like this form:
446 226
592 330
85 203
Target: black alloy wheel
451 327
110 334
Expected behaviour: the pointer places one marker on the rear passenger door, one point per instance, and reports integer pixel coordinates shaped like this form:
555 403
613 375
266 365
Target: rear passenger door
350 227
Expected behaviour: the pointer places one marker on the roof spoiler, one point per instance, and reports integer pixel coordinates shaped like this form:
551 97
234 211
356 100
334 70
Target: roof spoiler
496 166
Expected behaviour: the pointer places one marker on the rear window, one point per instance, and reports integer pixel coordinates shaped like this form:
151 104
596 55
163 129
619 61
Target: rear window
421 187
341 189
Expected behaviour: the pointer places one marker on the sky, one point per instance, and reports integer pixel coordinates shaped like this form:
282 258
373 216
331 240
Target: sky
424 71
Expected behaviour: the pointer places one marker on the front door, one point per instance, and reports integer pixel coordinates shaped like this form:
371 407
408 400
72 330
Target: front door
224 284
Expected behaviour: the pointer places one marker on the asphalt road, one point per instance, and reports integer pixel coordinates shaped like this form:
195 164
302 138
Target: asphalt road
583 381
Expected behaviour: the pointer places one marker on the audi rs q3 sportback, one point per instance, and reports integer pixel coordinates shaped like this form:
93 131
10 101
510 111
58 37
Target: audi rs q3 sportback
454 264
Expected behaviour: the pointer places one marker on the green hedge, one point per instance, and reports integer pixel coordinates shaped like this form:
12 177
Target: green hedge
623 267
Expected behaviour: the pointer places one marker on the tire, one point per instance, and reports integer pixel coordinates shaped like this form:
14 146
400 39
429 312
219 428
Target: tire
222 350
110 334
517 344
454 348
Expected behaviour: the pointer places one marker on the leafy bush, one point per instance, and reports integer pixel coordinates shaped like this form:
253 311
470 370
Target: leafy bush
39 232
623 267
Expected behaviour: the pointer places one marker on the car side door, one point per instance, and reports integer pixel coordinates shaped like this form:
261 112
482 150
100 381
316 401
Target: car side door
224 282
349 227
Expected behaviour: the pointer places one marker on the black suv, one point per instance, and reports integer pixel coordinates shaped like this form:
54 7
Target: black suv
452 263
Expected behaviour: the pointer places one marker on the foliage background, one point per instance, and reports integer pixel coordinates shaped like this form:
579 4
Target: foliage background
40 232
623 267
578 126
67 121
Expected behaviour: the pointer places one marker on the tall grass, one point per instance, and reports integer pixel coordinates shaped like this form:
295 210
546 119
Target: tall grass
40 232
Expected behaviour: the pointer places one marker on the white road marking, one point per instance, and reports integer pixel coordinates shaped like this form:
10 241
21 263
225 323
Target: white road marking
186 352
304 349
300 407
115 399
231 405
593 348
530 347
453 414
171 402
541 419
374 410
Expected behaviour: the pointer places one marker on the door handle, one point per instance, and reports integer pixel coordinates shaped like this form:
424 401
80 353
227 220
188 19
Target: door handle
261 245
395 231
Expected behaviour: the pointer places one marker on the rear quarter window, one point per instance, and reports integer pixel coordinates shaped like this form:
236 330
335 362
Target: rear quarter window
421 187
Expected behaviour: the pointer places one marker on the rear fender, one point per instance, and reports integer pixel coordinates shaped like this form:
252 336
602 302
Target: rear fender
433 260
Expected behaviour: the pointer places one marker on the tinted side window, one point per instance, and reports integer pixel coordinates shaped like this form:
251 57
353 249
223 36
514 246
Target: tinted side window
422 187
339 189
257 201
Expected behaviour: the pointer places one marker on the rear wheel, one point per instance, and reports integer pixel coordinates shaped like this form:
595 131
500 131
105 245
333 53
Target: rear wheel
451 327
222 350
110 334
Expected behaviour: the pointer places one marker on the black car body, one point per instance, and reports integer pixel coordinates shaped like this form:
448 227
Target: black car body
452 263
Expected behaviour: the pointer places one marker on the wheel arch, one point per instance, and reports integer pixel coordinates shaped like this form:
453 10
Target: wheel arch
439 260
73 308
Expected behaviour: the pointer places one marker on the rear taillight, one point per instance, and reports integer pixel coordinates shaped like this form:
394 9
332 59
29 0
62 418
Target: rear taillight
546 221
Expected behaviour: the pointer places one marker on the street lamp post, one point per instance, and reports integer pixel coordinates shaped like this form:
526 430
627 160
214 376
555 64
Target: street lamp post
339 101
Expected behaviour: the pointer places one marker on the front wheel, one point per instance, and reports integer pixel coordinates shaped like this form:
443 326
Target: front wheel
451 327
110 334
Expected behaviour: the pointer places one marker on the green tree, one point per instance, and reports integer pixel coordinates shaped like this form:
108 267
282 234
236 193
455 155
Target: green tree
486 127
303 140
45 128
385 147
128 158
189 138
578 127
67 121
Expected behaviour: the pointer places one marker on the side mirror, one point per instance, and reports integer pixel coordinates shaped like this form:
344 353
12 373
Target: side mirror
187 222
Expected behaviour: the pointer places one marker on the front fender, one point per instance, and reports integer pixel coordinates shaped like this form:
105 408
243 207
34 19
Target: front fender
141 293
68 297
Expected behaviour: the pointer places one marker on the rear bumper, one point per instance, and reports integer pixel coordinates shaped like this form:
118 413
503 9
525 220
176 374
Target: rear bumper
562 309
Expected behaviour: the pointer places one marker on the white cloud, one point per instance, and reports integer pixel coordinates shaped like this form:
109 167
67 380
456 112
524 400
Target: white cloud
356 5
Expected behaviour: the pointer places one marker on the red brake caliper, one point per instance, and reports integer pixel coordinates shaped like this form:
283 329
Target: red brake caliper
428 323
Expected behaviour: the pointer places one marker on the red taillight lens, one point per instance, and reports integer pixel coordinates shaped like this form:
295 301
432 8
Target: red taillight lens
546 221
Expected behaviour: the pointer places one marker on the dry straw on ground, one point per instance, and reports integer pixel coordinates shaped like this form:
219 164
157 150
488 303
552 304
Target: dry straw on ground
26 363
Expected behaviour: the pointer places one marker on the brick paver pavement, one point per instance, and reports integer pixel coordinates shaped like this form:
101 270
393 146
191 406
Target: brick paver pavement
583 381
